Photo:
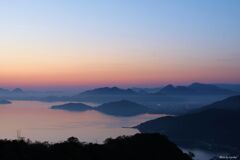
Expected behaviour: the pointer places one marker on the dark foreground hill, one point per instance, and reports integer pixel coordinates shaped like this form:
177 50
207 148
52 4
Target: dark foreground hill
216 124
139 146
231 103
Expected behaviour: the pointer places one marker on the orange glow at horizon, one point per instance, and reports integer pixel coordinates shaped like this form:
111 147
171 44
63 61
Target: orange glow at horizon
79 67
114 72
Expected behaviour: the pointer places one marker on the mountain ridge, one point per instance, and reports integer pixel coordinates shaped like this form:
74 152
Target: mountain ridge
109 90
213 125
195 88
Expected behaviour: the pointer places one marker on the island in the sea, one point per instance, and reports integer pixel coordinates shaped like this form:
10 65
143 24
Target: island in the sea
117 108
3 101
73 107
123 108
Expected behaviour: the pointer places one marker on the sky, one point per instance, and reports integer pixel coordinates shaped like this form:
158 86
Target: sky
79 43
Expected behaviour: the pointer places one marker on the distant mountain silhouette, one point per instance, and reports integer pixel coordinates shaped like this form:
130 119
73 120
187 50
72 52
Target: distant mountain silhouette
109 91
17 90
168 88
209 88
6 91
176 90
195 88
73 107
233 87
216 124
146 90
123 108
3 101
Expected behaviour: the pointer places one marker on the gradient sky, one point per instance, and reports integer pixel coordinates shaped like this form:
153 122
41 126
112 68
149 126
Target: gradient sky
118 42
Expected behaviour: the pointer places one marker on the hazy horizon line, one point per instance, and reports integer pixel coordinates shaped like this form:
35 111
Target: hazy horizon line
87 87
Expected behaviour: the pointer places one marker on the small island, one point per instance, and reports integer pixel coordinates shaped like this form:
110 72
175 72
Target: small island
117 108
123 108
3 101
73 107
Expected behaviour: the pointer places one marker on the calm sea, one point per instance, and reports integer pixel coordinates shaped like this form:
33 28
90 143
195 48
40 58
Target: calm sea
35 121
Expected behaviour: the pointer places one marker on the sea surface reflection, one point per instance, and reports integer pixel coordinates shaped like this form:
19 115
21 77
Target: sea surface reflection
37 122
